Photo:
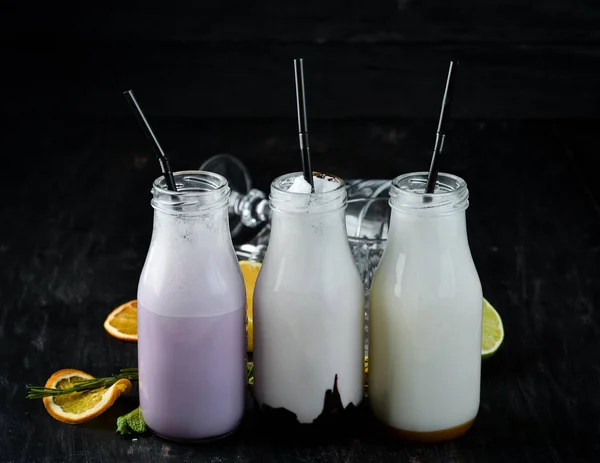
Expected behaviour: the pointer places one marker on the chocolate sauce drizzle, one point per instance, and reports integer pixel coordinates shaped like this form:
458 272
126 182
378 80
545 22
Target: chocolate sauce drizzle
329 419
329 178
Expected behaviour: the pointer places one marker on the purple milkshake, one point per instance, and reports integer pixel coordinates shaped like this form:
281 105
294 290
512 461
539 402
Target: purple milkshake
191 314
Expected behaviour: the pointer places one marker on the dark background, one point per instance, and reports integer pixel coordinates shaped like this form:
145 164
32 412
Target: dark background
217 77
382 58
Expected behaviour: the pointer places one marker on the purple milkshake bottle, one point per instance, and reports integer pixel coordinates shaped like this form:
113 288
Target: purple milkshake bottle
191 314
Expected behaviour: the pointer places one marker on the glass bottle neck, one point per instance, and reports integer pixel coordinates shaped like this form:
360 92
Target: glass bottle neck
307 229
198 231
407 195
430 234
331 218
301 216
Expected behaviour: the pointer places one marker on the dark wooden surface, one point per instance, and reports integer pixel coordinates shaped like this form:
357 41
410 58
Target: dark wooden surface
76 223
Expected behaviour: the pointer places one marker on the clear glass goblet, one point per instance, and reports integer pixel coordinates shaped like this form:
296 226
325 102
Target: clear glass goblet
367 224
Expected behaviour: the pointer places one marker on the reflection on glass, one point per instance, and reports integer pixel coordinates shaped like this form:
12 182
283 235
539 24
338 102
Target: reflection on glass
367 224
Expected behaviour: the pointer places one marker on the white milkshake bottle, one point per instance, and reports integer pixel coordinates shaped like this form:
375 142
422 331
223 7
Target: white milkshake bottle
426 314
308 306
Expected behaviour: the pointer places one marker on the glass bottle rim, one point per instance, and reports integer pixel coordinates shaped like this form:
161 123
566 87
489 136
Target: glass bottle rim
289 178
281 199
407 193
219 182
198 192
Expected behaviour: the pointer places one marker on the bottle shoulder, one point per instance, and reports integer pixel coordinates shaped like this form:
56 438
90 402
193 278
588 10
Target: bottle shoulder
212 273
309 272
426 272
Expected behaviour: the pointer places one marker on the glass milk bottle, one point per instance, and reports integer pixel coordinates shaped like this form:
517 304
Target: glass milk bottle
191 314
426 314
308 306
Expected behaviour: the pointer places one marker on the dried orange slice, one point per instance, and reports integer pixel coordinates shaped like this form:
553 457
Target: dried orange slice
79 407
122 322
250 271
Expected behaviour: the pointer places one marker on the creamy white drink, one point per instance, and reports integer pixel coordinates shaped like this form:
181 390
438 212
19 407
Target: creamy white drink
308 303
426 315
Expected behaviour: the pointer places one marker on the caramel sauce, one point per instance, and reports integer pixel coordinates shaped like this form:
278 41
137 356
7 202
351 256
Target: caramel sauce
431 436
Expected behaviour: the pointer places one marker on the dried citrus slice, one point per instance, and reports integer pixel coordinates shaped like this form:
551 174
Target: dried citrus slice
122 322
250 271
79 407
493 331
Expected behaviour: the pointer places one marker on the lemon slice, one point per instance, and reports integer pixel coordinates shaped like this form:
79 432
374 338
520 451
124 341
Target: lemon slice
493 331
122 322
250 271
79 407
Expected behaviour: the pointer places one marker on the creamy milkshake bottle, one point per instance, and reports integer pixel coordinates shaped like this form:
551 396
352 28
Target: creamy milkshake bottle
426 314
308 307
191 314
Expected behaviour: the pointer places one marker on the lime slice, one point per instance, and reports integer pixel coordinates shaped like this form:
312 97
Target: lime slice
493 331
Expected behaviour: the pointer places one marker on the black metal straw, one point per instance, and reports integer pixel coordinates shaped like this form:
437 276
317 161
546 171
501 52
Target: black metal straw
440 134
160 154
302 122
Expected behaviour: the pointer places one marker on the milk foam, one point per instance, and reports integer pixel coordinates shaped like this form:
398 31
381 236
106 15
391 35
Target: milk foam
191 270
300 186
322 185
301 198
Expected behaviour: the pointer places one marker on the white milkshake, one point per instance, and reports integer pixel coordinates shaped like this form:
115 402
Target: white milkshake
308 303
426 315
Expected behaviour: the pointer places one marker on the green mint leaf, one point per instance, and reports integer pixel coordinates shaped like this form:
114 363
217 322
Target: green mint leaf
122 426
132 423
135 420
